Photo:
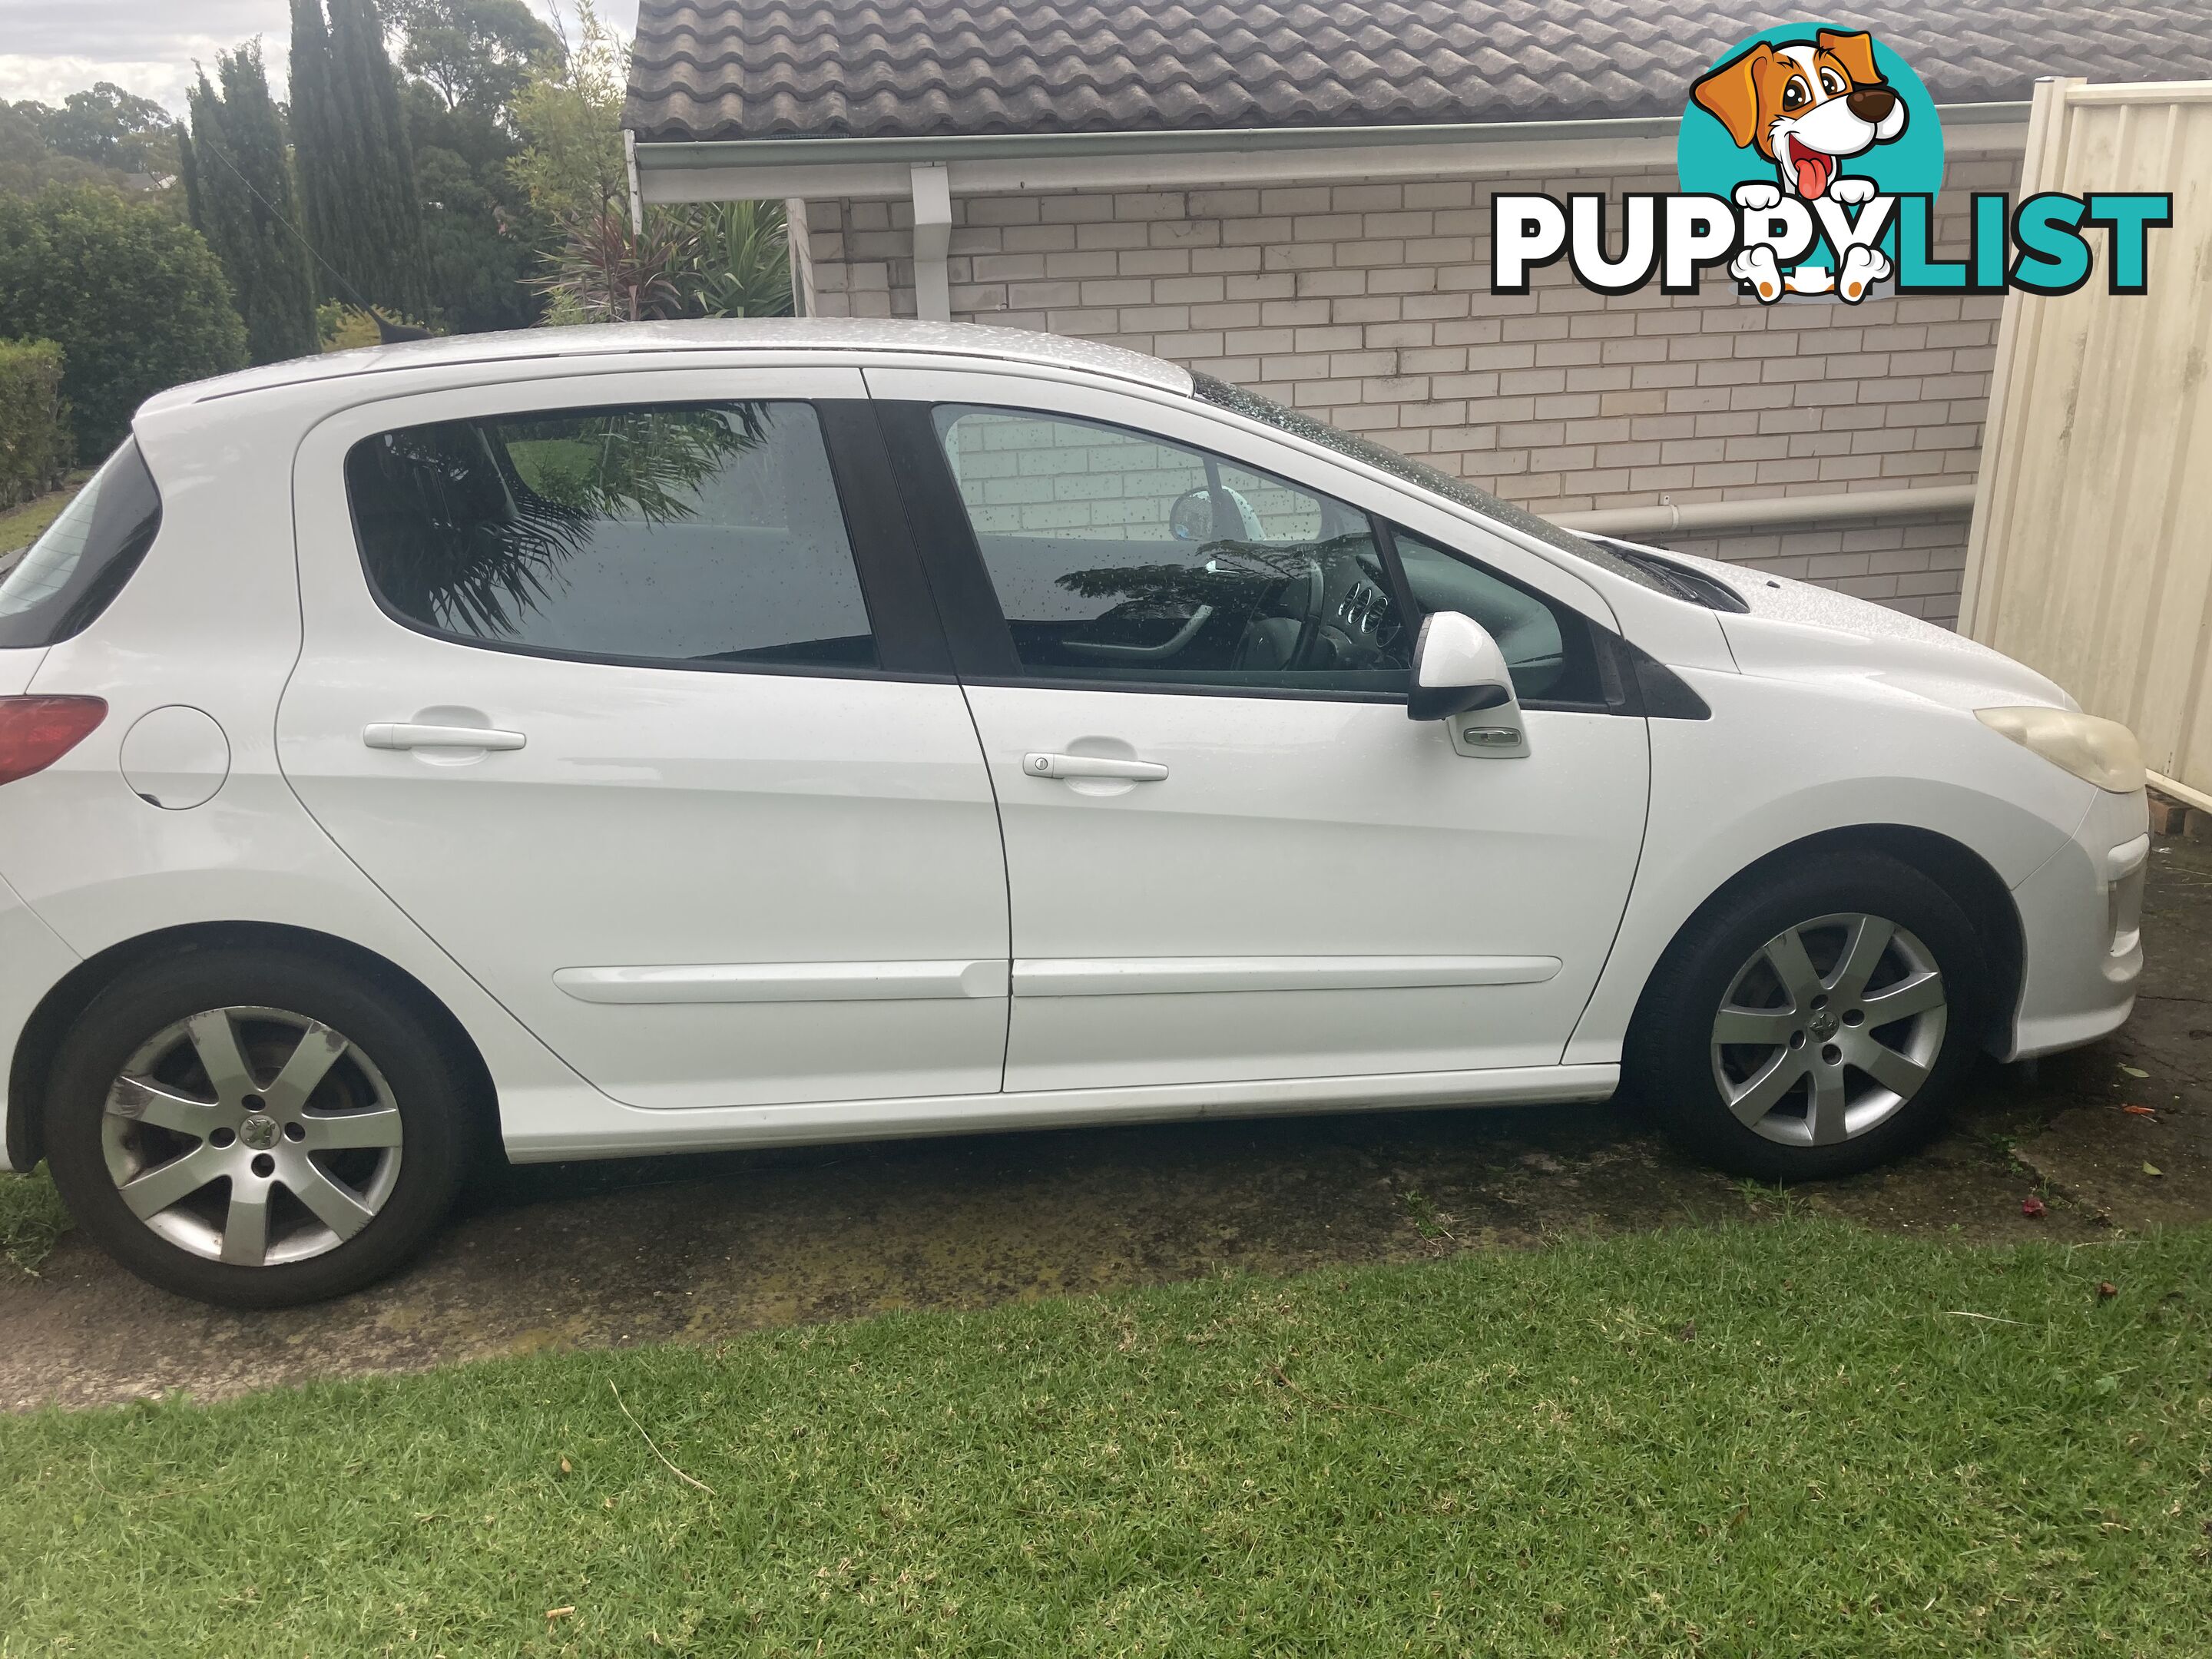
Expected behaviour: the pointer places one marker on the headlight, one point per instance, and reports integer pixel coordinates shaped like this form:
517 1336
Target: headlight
2102 752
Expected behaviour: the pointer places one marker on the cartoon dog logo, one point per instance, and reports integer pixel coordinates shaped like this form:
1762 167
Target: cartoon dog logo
1806 106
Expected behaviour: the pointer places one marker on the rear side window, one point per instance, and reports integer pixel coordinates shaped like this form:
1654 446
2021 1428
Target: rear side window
700 534
55 588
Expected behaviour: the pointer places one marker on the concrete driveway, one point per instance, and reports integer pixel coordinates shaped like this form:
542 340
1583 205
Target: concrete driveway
607 1256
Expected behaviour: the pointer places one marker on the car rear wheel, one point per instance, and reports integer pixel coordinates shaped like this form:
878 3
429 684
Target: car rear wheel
255 1129
1812 1022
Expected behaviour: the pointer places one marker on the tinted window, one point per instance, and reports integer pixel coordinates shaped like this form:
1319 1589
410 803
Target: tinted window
677 533
1119 557
56 588
1547 648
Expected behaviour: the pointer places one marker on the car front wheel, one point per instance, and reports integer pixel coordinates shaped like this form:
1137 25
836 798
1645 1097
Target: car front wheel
255 1129
1815 1022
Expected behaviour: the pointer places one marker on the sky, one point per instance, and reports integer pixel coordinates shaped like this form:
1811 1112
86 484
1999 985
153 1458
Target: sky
51 48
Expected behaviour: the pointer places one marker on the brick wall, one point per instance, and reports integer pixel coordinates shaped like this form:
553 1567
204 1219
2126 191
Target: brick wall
1042 477
1368 305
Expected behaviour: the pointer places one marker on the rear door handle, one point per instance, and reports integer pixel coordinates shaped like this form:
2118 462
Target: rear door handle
1092 766
405 735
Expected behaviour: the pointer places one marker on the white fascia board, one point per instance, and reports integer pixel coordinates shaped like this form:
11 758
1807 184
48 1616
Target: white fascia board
817 181
866 168
1181 170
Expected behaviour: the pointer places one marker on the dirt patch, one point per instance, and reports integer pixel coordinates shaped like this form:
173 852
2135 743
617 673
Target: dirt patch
609 1256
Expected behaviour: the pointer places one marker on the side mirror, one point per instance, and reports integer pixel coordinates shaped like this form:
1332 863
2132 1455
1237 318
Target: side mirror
1457 669
1460 677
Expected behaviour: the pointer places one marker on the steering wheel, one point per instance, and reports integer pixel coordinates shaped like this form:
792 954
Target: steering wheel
1284 642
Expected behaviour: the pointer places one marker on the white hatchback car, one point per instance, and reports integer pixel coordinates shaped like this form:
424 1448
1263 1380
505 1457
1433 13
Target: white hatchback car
665 738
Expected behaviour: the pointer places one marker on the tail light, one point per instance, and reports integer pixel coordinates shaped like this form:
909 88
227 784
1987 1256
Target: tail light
36 732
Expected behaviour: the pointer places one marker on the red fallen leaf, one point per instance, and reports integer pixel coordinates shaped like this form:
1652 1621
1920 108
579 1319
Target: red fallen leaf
2032 1206
2106 1289
2141 1111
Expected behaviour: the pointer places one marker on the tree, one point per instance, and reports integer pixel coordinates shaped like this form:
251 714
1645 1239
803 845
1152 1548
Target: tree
28 163
569 115
109 128
238 189
473 53
134 298
356 168
725 260
480 237
319 140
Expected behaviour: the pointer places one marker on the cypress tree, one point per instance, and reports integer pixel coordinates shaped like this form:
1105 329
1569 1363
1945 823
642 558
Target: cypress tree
356 168
316 142
238 190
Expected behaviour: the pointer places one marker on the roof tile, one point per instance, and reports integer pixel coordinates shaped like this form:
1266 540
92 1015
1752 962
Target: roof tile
766 69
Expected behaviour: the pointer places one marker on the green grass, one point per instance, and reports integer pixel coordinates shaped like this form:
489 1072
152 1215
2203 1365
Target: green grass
1777 1439
21 526
31 1218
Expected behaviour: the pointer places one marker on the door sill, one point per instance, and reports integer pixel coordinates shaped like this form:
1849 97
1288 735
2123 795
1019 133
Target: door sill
572 1126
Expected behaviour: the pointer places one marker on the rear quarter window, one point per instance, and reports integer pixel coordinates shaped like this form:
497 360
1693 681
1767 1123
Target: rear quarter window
57 588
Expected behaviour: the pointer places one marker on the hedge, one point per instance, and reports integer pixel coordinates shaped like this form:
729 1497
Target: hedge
35 445
133 296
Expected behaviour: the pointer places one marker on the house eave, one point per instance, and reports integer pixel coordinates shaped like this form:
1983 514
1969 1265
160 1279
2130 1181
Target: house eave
1235 141
726 169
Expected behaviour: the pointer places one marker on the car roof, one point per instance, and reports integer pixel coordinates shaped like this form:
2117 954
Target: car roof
779 334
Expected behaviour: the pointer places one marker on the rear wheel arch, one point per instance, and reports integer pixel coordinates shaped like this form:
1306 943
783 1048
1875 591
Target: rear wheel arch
43 1034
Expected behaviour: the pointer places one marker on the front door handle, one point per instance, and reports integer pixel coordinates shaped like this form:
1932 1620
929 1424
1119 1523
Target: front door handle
406 735
1092 766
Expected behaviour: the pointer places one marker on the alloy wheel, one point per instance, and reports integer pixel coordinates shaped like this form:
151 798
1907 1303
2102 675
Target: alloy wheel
253 1136
1828 1030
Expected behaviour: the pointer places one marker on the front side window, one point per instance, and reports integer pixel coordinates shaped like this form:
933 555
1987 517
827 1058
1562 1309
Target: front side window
1547 648
1253 407
1121 557
56 588
700 534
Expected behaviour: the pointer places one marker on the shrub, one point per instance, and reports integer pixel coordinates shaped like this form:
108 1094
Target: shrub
342 328
34 434
135 301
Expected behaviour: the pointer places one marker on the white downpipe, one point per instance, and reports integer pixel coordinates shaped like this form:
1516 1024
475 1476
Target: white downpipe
799 247
1774 509
636 195
931 184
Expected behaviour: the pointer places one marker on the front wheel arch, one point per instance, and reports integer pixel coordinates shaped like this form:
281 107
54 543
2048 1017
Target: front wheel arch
1979 891
40 1042
1674 1058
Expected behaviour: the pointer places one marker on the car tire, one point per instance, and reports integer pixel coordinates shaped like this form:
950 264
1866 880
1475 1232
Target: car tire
305 1153
1820 1083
